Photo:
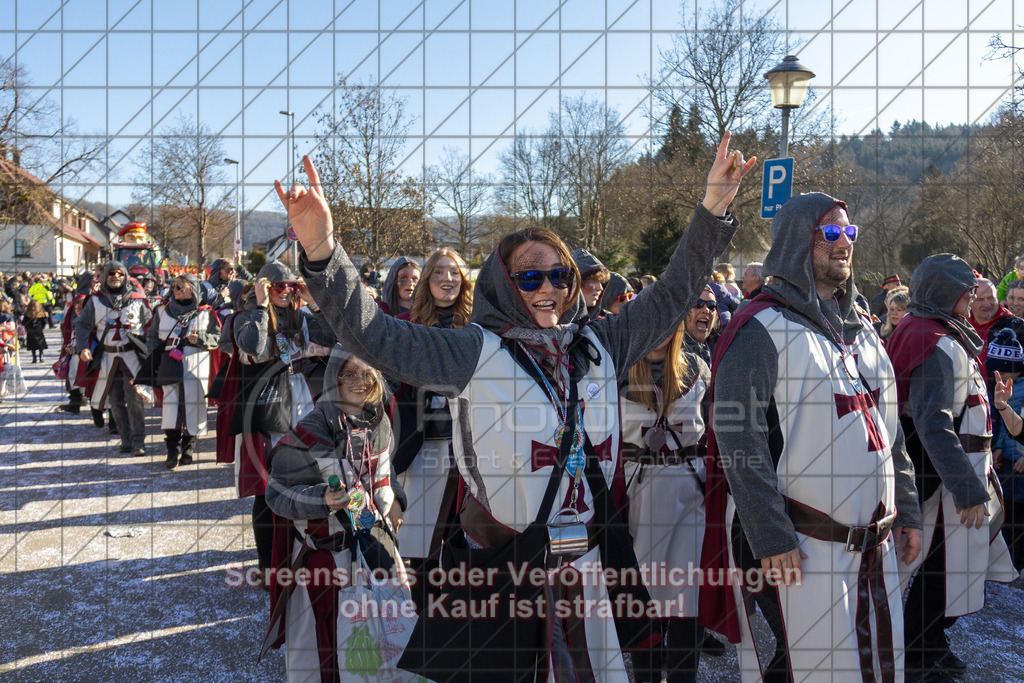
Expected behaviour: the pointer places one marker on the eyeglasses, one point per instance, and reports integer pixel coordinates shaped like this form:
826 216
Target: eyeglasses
703 303
284 287
832 232
624 297
182 288
115 273
351 380
531 280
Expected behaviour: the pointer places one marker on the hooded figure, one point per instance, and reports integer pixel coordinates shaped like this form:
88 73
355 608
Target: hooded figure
609 298
389 292
945 414
504 437
115 317
826 451
353 443
183 330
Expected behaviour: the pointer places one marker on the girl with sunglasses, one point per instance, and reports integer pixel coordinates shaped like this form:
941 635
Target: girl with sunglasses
184 330
265 393
443 299
347 435
616 293
521 379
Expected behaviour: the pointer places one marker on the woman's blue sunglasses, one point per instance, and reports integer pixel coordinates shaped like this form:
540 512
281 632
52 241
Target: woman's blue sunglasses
531 280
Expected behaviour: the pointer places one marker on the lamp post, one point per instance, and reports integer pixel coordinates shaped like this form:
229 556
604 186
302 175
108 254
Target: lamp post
238 220
291 173
788 81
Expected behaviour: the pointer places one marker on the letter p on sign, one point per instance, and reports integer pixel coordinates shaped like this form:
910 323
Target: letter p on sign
777 186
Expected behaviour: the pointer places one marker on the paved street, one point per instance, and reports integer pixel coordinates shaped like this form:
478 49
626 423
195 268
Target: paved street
112 567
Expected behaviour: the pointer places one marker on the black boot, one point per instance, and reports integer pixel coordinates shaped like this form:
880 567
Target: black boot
74 404
172 438
97 417
187 442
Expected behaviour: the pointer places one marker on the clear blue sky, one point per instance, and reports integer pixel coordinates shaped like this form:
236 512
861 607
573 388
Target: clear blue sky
473 71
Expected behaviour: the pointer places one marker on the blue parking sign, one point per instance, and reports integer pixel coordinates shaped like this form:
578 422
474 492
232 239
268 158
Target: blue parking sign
777 185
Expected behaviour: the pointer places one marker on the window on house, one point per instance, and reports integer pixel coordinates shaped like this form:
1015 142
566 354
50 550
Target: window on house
22 249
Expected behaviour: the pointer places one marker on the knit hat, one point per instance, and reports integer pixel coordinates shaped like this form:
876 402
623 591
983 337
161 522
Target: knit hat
1005 353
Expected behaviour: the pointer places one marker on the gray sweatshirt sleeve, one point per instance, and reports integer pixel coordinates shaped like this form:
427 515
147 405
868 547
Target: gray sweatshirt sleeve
442 361
908 507
649 319
295 488
744 383
930 399
251 330
84 324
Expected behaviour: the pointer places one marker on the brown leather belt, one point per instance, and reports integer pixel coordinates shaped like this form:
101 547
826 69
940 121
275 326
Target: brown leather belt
973 443
857 539
116 349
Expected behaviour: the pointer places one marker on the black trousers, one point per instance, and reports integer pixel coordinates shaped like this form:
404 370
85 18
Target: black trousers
678 655
924 620
263 530
126 407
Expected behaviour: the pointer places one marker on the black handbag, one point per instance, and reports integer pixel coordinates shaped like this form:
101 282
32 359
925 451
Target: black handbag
272 407
450 646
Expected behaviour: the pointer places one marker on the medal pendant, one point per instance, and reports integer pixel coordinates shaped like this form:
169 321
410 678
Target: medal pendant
655 438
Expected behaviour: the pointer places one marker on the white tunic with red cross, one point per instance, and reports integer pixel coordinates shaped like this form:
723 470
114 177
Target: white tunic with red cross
972 556
504 444
837 414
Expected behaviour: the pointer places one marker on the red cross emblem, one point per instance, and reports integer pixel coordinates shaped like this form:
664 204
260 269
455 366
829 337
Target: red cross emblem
543 455
862 403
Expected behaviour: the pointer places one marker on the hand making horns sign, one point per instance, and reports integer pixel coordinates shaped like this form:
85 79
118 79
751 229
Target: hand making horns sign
311 217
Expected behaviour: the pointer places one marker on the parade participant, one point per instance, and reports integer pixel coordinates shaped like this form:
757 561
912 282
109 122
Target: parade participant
816 464
396 295
700 323
443 299
616 292
663 413
594 277
945 415
116 316
12 381
265 393
184 331
76 399
34 321
511 377
346 435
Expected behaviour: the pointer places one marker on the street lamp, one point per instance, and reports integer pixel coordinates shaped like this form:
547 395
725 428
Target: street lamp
238 220
291 175
788 81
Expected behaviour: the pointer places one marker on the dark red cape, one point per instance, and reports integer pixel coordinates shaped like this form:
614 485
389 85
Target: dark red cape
910 345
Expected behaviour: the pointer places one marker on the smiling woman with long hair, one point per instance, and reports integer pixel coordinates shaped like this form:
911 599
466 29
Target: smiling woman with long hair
534 402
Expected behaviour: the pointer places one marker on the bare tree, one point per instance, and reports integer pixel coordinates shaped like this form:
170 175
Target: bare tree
716 65
38 149
530 177
378 211
460 196
181 177
593 146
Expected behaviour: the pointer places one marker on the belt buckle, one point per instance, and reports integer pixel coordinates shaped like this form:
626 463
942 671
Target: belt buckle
851 546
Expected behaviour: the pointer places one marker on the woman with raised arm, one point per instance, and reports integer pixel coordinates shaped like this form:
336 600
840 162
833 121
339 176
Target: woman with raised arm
534 400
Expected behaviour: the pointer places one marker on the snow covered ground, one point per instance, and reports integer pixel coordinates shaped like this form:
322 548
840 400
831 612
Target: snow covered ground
112 566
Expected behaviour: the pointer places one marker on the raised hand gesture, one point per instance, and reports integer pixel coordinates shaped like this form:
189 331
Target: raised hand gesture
309 214
725 176
1003 393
